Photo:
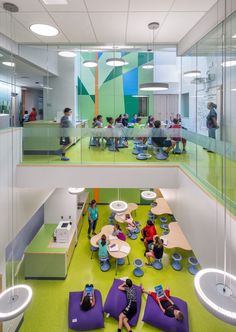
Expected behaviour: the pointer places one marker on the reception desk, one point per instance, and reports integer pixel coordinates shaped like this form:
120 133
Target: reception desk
43 137
45 259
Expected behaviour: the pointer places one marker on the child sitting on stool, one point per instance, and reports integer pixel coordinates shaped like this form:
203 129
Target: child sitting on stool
88 299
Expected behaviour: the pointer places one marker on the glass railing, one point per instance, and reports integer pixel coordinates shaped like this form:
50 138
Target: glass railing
203 156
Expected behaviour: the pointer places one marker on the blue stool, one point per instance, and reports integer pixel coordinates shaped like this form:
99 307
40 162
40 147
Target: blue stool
157 264
151 215
161 155
120 261
93 249
176 264
173 218
111 220
104 264
153 204
133 235
143 156
137 230
135 151
165 232
138 272
163 220
165 227
137 223
193 263
177 149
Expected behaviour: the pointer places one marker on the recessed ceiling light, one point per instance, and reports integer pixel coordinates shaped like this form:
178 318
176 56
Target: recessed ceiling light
115 62
44 30
234 36
90 63
47 87
8 63
192 73
233 89
148 66
229 63
67 54
55 2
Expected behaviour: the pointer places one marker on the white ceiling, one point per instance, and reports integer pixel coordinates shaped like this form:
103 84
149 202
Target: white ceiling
104 21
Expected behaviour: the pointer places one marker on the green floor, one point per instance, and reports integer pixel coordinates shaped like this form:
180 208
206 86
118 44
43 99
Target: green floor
206 167
48 310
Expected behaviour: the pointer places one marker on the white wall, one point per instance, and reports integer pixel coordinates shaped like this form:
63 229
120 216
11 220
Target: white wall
31 98
60 203
202 220
63 90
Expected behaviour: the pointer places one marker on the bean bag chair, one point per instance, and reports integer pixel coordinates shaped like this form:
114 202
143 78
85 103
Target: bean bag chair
116 302
80 320
155 317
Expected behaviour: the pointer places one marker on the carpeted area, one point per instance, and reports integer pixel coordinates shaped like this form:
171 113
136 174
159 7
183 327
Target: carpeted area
49 309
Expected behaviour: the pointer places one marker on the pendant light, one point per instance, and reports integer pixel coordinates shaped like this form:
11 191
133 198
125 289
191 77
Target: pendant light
148 195
192 73
90 63
118 206
153 86
115 62
75 191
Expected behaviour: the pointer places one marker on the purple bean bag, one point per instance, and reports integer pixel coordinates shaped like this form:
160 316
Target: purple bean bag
116 301
80 320
155 317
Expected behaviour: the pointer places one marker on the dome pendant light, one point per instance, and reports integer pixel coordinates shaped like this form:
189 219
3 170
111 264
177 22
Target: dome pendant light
115 62
118 206
148 195
14 301
153 86
75 191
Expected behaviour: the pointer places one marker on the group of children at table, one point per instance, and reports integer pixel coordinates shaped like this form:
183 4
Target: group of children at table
159 136
162 298
152 242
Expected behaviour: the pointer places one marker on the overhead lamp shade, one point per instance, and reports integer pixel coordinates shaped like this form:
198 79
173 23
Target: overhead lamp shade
148 195
216 291
192 73
115 62
14 301
118 206
90 63
67 54
75 191
148 66
154 86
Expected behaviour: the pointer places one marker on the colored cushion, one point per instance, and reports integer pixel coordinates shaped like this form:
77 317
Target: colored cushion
155 317
116 302
80 320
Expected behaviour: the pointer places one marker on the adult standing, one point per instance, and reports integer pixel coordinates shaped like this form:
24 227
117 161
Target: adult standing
33 114
131 307
211 121
92 217
65 123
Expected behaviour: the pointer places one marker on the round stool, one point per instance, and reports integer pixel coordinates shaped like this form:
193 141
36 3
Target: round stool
111 220
176 264
165 232
153 204
137 223
143 156
163 219
157 264
120 261
193 263
173 218
137 230
138 272
135 151
151 215
104 264
177 149
132 236
164 226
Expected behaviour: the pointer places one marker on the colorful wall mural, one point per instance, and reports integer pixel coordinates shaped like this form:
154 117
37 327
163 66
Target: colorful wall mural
116 86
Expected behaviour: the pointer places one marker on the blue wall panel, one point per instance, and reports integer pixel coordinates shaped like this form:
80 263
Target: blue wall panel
130 82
